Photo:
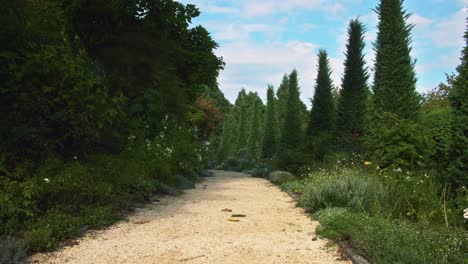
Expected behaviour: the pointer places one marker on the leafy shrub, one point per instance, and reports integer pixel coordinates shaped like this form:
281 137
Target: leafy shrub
294 186
98 217
386 241
280 177
12 252
401 143
348 191
50 229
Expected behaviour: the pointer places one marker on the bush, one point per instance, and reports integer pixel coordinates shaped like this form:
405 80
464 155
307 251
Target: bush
401 143
348 191
386 241
50 229
98 217
294 186
280 177
11 252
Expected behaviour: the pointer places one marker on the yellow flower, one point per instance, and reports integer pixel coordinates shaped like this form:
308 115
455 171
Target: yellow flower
367 163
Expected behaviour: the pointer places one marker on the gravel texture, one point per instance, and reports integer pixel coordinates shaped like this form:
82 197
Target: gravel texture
197 227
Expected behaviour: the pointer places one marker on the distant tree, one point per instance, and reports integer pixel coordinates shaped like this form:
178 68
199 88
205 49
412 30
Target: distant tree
291 132
270 139
282 95
459 102
353 96
226 145
253 146
394 78
322 113
241 142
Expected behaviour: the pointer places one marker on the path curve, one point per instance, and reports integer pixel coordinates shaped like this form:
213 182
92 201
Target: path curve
192 228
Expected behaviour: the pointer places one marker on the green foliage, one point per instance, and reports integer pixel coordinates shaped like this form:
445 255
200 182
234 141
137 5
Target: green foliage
459 102
291 128
352 102
401 143
386 241
345 190
50 229
12 252
394 79
322 114
226 145
270 139
98 217
242 129
254 142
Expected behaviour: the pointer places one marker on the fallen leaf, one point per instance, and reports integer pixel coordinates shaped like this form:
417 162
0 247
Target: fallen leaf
226 210
233 220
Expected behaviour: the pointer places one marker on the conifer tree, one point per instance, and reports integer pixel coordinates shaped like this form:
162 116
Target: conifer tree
270 138
242 129
394 78
254 135
291 137
459 102
282 95
321 115
225 148
353 96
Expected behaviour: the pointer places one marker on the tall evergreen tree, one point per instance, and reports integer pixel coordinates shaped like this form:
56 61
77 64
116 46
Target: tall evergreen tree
459 101
291 137
353 96
241 142
282 95
321 115
270 138
253 145
226 146
394 79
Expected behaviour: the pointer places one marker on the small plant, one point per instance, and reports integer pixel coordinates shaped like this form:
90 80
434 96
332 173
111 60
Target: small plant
98 217
12 252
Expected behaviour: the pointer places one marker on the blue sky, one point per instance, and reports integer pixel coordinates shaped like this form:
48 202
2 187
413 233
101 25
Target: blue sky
260 40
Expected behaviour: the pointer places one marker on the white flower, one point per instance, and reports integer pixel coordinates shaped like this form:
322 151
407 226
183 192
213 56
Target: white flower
465 215
75 158
46 180
398 170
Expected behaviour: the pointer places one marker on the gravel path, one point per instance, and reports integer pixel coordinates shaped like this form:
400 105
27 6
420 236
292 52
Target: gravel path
192 228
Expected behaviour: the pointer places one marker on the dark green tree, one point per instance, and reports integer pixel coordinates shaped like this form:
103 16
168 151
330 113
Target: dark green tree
459 102
394 78
270 139
253 145
241 142
226 144
291 139
282 95
321 115
352 101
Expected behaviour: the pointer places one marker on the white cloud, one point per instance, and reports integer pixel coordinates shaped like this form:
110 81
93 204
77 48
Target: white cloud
448 32
416 20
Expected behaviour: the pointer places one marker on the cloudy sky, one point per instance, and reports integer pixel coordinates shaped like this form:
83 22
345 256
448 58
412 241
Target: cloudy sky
260 40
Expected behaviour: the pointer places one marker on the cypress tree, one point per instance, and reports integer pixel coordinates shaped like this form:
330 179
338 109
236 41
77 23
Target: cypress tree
291 137
282 95
459 102
254 135
353 96
270 138
394 79
225 148
242 129
321 115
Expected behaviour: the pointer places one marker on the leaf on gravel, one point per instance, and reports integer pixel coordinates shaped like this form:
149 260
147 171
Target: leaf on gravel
226 210
233 220
140 222
238 215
